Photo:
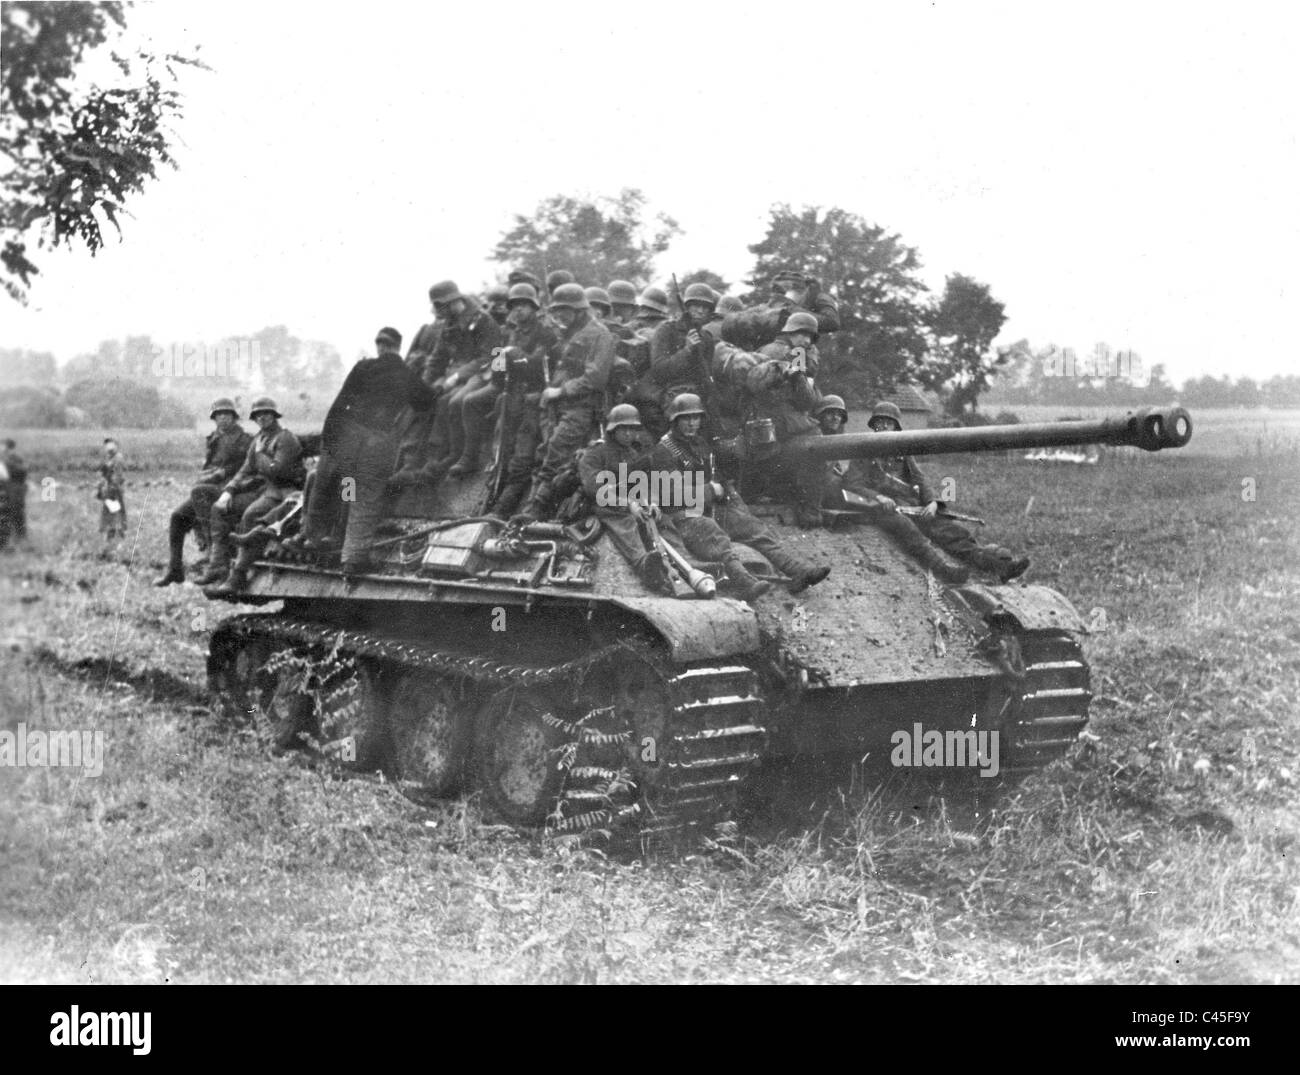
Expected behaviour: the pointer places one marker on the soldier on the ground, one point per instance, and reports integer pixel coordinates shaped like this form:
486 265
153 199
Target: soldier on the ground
227 447
358 443
522 371
791 292
572 402
110 491
271 471
606 469
898 480
15 490
719 515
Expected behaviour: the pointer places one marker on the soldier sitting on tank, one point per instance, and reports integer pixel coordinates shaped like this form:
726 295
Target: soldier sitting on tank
521 371
497 302
227 447
716 510
606 469
572 402
792 292
645 393
271 470
891 481
458 369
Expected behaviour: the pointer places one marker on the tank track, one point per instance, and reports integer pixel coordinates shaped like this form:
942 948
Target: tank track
709 733
1051 706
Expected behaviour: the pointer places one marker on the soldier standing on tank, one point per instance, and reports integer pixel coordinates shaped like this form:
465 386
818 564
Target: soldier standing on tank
227 447
271 471
622 301
15 492
522 372
791 292
572 402
606 470
651 311
898 479
681 351
358 443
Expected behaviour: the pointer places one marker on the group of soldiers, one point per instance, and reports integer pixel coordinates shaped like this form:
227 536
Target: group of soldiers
579 391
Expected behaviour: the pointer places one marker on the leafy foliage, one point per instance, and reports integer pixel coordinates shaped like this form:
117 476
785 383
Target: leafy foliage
119 401
873 276
598 241
965 322
74 154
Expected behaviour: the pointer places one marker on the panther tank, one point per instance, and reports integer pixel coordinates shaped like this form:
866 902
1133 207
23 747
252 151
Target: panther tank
531 663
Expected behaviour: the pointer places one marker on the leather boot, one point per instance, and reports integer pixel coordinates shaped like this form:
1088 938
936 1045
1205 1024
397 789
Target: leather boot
176 554
507 501
932 559
997 561
808 577
746 587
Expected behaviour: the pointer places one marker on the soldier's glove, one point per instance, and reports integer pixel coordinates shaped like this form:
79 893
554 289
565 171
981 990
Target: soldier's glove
717 493
930 510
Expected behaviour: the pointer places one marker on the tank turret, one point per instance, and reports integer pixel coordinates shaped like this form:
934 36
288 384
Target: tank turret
532 662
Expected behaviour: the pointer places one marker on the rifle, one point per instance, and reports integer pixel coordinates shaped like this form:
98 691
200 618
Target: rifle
944 515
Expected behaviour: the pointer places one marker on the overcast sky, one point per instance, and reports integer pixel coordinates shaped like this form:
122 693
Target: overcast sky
1124 173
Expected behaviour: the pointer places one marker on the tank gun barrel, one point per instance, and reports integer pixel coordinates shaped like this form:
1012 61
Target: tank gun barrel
1151 429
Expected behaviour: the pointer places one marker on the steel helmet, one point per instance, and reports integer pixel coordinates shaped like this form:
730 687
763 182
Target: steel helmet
885 409
700 293
570 295
558 278
621 293
598 297
654 298
729 304
831 403
265 403
497 293
623 415
445 291
801 322
523 293
686 403
223 404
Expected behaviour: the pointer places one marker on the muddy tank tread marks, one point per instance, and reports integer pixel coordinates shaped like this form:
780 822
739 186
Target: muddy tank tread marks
618 740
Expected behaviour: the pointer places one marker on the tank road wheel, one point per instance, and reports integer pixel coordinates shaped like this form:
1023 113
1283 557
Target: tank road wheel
431 722
352 725
520 747
289 709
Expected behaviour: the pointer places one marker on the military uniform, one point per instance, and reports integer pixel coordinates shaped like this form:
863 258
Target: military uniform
359 441
586 356
523 373
111 488
271 471
756 326
15 495
222 458
464 351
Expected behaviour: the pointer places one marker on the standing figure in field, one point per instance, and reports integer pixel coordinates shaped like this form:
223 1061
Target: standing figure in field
15 491
522 371
227 447
271 471
898 480
358 446
572 402
110 491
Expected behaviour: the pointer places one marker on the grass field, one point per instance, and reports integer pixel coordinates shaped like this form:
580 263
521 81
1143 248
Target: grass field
1164 850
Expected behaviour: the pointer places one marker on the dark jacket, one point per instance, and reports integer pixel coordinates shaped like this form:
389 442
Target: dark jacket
527 367
373 395
789 402
673 361
274 461
583 367
605 457
755 326
16 467
896 477
225 452
421 350
690 455
464 344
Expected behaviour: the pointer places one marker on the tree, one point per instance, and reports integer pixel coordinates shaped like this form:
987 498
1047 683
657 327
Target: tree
73 154
705 276
872 275
965 322
598 241
18 366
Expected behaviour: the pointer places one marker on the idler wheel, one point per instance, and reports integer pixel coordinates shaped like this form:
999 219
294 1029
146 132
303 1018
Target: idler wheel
432 724
521 741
